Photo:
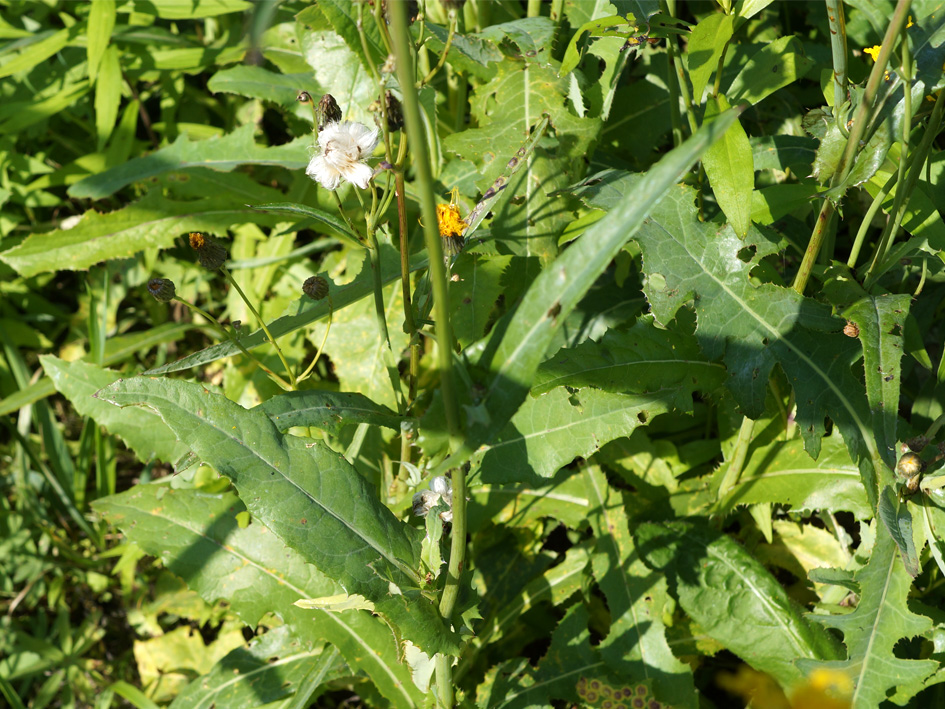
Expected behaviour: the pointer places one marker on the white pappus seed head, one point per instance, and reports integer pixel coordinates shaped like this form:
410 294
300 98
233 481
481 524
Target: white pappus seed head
343 149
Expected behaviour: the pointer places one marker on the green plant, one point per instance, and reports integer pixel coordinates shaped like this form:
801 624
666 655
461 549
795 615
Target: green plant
662 403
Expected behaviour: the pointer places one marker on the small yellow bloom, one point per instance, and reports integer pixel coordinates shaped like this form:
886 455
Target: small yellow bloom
872 51
451 225
910 23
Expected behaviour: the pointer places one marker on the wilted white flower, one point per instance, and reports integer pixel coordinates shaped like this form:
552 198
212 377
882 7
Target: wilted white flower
440 489
343 147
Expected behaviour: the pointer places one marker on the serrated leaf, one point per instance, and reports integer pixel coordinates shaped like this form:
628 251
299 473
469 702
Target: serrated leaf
593 28
225 154
754 327
518 345
782 152
706 43
641 359
345 18
734 599
635 645
327 410
197 537
473 296
882 322
881 619
782 472
295 487
152 222
564 499
142 430
898 520
549 431
728 165
467 52
772 67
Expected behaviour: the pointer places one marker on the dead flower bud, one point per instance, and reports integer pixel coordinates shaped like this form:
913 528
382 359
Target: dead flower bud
328 111
162 289
211 254
315 287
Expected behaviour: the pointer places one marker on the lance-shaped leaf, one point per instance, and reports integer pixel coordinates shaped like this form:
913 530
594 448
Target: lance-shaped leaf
642 359
224 153
735 600
881 321
196 535
782 472
636 645
728 165
308 495
519 342
317 215
898 521
751 328
327 410
881 619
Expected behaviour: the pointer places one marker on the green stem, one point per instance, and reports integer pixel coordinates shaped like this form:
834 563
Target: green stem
379 313
838 48
415 129
446 50
321 347
868 219
265 328
824 220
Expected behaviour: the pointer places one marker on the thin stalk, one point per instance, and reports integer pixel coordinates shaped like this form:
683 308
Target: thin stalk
456 84
379 313
739 455
415 129
838 48
308 370
230 336
344 215
868 219
673 85
918 158
857 133
265 328
446 50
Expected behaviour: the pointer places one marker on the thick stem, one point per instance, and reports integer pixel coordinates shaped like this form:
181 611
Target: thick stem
406 74
739 455
838 48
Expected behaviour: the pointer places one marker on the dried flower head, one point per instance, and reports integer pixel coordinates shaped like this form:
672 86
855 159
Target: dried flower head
328 111
440 489
162 289
395 114
210 252
343 149
315 287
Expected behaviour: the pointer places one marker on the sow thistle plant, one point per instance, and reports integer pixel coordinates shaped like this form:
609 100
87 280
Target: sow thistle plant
647 413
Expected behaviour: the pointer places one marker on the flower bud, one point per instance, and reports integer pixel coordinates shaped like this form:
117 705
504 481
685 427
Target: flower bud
441 489
328 111
917 444
304 97
162 289
210 252
315 287
395 115
910 465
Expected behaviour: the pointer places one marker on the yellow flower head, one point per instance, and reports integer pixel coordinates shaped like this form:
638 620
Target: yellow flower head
872 51
824 689
451 225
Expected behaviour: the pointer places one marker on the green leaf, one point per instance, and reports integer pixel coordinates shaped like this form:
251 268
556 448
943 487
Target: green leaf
898 521
308 495
637 598
195 9
317 215
345 17
882 322
38 49
783 473
473 296
327 410
881 619
753 327
734 599
223 154
553 429
101 24
272 667
152 222
594 28
706 43
197 537
260 83
641 359
782 152
107 95
142 430
772 67
564 499
519 344
731 172
467 52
